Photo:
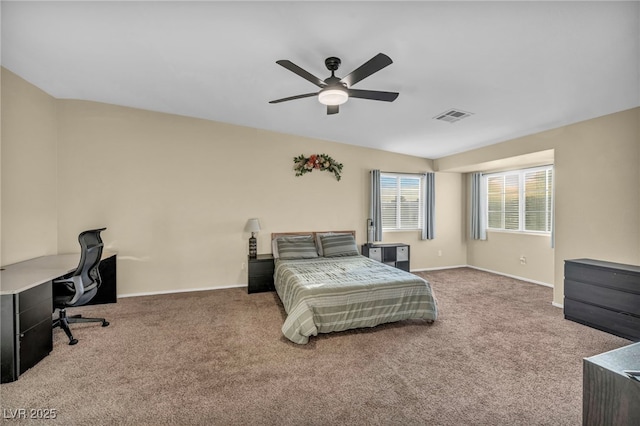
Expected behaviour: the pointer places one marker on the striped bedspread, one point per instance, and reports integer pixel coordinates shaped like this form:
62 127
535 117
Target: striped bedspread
322 295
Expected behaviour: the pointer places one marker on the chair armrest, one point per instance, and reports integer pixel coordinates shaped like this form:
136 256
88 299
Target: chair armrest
73 283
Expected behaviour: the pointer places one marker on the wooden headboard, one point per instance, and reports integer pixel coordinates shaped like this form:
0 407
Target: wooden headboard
275 235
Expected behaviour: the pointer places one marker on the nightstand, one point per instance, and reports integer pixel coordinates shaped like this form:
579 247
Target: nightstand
261 270
396 255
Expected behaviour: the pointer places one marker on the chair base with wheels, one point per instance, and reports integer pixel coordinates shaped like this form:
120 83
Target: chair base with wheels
63 322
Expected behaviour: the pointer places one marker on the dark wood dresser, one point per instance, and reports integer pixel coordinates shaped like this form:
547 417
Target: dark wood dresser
611 392
603 295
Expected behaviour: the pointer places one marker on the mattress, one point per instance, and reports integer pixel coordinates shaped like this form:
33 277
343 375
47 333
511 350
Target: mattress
323 295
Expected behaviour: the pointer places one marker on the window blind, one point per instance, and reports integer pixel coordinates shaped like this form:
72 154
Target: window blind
401 201
520 200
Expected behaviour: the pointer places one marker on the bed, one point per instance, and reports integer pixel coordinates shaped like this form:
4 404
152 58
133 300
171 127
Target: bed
325 285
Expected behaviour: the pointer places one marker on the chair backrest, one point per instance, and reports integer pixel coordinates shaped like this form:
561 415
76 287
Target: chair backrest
87 276
91 244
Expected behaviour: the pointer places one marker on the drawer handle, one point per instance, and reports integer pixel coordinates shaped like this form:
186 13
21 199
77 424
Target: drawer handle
629 314
632 374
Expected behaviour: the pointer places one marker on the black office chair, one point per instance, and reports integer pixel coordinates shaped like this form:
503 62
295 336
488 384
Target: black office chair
80 286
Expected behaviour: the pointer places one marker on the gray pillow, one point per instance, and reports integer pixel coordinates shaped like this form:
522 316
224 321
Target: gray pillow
337 245
319 236
296 248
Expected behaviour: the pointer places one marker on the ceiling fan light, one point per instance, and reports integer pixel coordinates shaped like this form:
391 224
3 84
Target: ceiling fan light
333 96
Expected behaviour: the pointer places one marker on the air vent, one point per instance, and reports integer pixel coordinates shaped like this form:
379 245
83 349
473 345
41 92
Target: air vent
452 115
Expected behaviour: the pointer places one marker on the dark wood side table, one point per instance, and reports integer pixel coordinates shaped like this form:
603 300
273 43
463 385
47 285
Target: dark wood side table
261 270
611 395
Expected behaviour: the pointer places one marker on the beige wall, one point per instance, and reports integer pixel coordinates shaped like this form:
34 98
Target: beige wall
449 247
597 195
29 171
597 210
501 251
175 193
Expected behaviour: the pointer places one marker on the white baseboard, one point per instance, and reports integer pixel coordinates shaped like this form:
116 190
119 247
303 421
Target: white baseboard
513 276
485 270
557 305
154 293
438 268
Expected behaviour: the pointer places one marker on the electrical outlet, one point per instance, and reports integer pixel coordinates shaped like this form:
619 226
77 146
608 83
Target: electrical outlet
523 260
439 253
244 266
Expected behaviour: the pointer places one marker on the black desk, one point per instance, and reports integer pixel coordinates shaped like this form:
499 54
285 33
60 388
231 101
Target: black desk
27 304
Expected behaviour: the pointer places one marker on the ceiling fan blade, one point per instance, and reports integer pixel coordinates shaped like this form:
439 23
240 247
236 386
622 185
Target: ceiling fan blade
374 95
333 109
373 65
290 98
302 73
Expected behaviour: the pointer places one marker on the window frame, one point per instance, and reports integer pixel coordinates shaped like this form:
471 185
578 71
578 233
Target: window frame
421 194
522 201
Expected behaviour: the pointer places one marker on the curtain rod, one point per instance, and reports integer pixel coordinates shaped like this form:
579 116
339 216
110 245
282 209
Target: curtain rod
402 173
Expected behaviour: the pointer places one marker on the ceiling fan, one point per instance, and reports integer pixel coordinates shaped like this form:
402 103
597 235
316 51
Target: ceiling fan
335 91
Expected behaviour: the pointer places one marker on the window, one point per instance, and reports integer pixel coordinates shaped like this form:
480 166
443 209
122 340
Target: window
401 201
520 200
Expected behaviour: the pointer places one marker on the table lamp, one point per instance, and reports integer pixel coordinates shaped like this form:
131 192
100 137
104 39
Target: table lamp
253 226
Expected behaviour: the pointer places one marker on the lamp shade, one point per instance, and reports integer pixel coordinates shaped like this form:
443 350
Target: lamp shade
252 225
333 96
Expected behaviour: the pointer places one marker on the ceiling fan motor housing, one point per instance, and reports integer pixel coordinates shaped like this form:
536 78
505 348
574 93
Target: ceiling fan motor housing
332 63
335 92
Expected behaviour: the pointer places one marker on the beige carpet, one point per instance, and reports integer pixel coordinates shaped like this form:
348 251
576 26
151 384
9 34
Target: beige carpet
499 354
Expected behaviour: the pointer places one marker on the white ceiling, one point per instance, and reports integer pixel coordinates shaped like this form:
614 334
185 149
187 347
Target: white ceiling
519 67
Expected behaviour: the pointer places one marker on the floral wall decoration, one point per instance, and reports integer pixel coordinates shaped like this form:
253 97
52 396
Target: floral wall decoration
304 164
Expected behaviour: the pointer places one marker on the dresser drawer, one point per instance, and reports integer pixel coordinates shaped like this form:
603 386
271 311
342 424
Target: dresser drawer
620 324
262 283
32 297
36 314
35 344
603 296
599 274
257 269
